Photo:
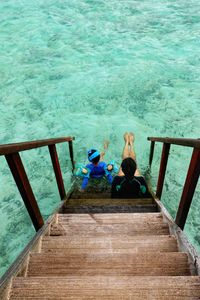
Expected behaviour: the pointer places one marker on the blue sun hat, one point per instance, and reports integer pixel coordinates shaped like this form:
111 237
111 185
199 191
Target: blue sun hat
93 153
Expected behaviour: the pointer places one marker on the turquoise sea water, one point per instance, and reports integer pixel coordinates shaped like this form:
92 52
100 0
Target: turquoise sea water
94 69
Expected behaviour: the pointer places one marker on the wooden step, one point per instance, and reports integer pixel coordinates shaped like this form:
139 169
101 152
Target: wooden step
86 209
143 264
91 195
109 229
125 218
109 201
109 288
135 244
110 225
108 205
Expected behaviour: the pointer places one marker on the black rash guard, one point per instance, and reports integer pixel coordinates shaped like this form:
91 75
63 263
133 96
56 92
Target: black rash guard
123 187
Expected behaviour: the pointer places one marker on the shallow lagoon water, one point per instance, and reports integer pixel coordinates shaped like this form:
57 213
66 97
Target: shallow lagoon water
94 69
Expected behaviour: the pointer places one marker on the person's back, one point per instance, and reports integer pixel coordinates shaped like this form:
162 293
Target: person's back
123 187
96 169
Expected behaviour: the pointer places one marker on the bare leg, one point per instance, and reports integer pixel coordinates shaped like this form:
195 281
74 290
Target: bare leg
125 152
131 142
105 147
132 153
129 151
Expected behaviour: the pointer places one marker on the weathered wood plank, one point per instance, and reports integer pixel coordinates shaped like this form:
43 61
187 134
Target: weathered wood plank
103 287
91 195
133 264
135 244
108 256
85 209
110 224
111 218
109 201
94 230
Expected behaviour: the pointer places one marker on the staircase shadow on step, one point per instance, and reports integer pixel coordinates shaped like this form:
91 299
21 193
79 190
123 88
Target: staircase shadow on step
110 209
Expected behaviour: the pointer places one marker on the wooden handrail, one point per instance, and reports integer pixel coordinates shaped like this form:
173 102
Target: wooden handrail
11 153
71 153
194 143
57 170
19 174
189 188
192 175
23 146
162 171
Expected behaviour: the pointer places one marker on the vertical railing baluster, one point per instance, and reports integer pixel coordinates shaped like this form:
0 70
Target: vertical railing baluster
17 169
57 171
151 153
162 171
189 188
71 152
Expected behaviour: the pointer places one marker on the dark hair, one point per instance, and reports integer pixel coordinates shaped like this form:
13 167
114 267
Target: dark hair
94 160
129 167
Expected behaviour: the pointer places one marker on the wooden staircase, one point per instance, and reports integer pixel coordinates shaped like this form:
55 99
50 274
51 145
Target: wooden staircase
110 255
95 201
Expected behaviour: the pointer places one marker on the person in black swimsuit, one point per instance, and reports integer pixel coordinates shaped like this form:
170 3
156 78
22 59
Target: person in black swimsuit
129 183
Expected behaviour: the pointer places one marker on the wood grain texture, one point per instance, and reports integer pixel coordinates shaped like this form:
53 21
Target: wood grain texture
109 201
110 230
110 225
104 287
94 209
135 244
125 218
132 264
108 256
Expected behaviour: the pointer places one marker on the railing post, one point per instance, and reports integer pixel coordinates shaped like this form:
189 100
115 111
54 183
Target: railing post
151 153
162 171
71 152
17 169
57 171
189 188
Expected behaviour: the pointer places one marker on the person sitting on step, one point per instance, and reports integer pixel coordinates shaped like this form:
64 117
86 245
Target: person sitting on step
129 183
96 168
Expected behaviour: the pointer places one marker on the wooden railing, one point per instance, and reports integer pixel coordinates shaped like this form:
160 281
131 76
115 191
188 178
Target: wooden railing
192 174
11 153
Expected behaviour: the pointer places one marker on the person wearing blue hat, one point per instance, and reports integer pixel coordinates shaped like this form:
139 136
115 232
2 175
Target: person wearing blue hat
96 168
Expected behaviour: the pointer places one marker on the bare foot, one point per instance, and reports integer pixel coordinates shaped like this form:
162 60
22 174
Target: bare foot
105 144
126 137
131 138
